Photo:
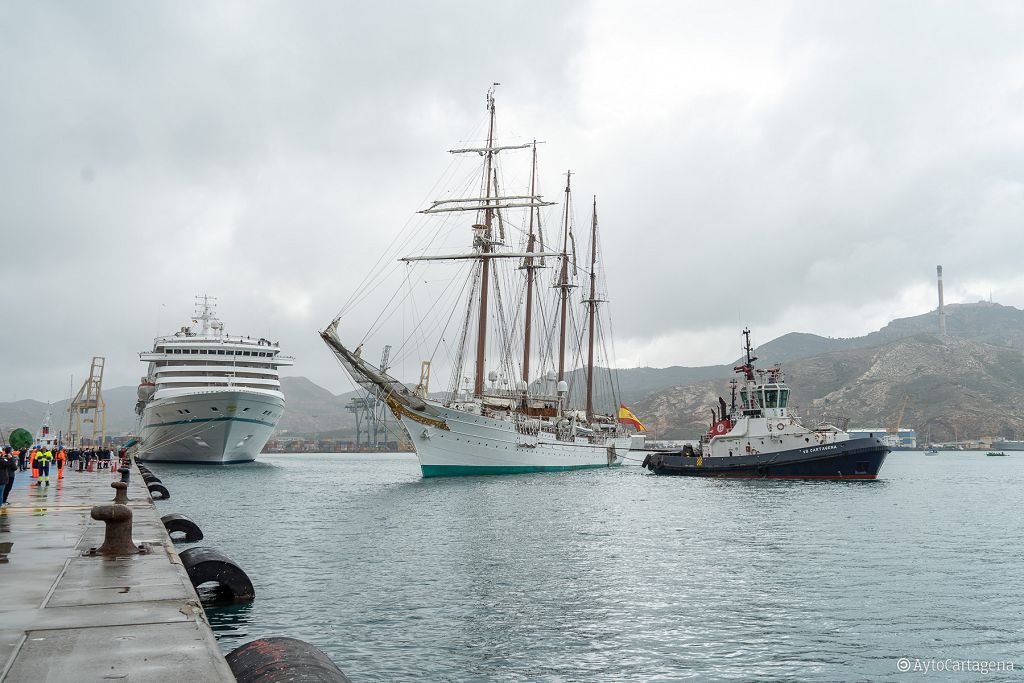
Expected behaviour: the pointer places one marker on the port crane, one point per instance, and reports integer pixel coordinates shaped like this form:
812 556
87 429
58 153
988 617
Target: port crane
89 408
371 414
894 428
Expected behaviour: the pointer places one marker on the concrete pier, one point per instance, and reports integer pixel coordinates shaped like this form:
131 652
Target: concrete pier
66 616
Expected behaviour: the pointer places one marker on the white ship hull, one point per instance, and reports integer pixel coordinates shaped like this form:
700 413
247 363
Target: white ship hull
469 444
185 428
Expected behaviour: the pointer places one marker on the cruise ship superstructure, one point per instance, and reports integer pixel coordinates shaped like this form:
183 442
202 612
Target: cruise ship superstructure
209 397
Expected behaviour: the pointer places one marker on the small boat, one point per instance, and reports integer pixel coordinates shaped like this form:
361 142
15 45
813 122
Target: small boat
996 454
46 439
932 451
758 437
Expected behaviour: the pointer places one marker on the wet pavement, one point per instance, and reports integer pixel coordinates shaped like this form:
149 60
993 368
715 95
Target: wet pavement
68 616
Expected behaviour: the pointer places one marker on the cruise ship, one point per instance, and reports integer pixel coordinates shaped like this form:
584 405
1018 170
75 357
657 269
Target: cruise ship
209 397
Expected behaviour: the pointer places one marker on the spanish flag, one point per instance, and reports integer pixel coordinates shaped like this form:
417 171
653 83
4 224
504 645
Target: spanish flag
627 417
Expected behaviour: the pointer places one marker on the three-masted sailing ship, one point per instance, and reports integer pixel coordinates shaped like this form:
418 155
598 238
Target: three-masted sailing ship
503 418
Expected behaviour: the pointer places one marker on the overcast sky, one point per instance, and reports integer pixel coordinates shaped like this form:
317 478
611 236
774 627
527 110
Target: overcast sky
789 166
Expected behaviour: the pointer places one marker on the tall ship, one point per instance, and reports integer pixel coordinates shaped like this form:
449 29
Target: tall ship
758 436
501 319
208 397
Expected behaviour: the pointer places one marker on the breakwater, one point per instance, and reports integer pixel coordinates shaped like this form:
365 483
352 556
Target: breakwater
72 615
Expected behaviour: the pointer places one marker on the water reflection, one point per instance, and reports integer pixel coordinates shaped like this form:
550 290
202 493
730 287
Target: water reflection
230 622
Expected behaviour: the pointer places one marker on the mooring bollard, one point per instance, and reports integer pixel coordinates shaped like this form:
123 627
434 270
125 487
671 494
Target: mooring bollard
205 565
117 538
175 523
159 489
120 492
278 659
125 473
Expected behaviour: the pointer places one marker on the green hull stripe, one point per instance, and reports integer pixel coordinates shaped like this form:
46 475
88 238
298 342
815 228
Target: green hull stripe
198 420
472 470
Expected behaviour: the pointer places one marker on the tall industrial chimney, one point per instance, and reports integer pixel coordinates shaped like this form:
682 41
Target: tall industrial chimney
942 306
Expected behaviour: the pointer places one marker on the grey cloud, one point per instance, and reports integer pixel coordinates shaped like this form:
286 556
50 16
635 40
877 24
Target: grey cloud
266 152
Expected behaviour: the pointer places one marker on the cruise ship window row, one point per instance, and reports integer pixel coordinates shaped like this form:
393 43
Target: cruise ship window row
217 352
215 409
202 362
200 373
178 385
219 379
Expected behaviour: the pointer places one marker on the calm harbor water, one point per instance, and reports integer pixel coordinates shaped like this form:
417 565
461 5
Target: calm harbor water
618 575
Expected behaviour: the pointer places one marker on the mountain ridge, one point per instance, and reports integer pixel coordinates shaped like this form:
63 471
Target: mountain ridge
983 327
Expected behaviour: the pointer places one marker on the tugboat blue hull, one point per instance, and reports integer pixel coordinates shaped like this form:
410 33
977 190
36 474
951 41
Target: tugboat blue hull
852 459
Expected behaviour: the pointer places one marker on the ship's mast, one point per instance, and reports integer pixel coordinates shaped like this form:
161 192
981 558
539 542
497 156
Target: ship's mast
748 348
563 280
490 203
205 312
748 367
528 266
485 248
592 313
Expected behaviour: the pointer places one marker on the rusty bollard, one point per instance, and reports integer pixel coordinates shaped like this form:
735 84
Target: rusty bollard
120 492
117 540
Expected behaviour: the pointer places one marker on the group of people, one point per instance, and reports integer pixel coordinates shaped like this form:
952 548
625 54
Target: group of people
8 468
41 458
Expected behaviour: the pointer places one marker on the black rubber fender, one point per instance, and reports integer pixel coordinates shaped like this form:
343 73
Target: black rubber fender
175 522
205 564
151 478
279 659
647 462
161 489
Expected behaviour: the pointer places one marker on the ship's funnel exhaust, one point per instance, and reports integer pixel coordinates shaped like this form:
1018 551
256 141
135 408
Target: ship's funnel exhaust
942 306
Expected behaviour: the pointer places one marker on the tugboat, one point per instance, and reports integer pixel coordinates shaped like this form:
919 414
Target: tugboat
757 437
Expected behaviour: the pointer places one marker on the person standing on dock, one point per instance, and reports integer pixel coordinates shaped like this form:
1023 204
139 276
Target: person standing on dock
8 470
21 459
61 459
33 459
44 458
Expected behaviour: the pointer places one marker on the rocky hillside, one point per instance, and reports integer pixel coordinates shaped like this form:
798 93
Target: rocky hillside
981 322
966 384
955 389
312 409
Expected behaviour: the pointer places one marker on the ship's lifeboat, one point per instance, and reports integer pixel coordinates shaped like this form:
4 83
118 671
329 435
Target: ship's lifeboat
146 390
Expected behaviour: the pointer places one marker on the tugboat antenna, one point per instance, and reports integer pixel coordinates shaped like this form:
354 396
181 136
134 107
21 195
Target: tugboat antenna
750 357
747 368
